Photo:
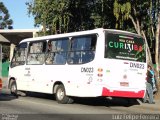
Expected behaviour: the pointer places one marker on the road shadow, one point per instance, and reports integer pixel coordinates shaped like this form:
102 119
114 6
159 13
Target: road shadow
98 101
39 95
108 102
7 97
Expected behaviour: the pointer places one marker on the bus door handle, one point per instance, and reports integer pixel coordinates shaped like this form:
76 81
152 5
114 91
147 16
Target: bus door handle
27 68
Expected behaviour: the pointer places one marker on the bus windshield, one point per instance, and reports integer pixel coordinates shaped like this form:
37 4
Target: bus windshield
124 46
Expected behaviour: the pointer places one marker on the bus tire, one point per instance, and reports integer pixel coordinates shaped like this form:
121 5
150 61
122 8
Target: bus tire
13 88
70 101
61 95
22 93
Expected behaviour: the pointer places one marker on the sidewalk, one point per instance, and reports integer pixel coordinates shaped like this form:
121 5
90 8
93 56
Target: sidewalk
150 106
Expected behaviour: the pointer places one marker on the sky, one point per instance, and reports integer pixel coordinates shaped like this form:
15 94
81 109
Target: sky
18 13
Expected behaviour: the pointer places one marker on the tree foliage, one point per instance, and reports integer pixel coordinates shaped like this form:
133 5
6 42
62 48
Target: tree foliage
50 14
67 16
5 21
74 15
102 14
143 21
121 12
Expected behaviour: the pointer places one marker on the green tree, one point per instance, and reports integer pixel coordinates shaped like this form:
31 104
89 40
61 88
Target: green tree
156 32
50 14
81 12
73 15
102 14
5 21
140 14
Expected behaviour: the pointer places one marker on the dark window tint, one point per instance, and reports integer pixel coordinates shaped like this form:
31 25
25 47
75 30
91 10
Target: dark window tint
36 54
19 55
57 51
82 49
124 46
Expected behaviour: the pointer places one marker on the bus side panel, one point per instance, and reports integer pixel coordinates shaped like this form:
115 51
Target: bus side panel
121 79
83 80
18 74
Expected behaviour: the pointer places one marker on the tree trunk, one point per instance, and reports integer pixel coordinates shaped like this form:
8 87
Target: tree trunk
157 46
44 28
142 33
149 58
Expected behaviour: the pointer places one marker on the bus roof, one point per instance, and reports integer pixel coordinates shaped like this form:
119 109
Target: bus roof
94 31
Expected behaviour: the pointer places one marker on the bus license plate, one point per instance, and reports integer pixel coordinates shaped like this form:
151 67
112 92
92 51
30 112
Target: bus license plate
126 84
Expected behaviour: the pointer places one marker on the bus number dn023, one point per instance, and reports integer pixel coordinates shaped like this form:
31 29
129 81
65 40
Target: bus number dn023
87 69
136 65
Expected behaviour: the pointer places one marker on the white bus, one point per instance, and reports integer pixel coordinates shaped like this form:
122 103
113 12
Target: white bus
93 63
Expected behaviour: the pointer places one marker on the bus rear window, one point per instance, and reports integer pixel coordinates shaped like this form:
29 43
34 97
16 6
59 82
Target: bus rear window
125 47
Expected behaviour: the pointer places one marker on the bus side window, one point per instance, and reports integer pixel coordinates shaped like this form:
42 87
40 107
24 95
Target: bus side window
36 53
82 49
57 50
19 55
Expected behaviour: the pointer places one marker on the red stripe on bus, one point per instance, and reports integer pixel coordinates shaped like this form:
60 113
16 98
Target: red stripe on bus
116 93
0 83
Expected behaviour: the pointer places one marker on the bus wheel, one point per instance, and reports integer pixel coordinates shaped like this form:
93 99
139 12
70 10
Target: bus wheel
61 95
13 88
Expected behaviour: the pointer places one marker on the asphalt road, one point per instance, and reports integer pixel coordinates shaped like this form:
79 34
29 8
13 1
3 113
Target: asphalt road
37 106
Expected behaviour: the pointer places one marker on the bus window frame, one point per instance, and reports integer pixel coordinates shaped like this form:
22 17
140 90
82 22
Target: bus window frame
16 49
43 52
81 36
57 51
